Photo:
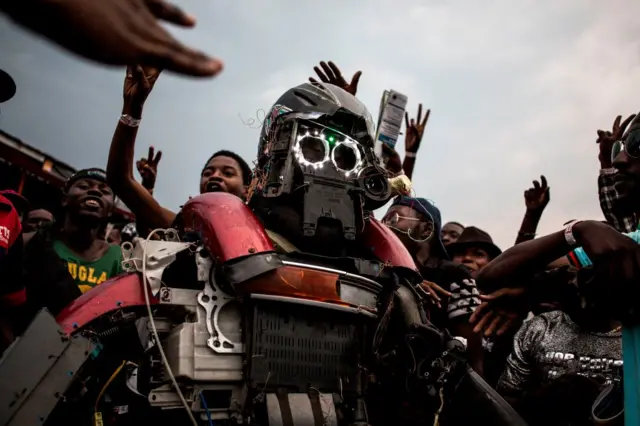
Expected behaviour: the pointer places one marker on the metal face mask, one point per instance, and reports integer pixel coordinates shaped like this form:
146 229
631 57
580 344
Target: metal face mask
335 175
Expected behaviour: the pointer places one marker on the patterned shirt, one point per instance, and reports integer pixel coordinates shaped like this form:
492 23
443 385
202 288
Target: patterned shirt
456 279
631 346
551 345
610 202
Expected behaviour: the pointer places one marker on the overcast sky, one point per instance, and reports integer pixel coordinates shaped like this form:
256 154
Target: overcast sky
517 89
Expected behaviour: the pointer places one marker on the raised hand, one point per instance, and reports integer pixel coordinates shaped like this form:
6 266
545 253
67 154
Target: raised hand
115 32
606 139
415 130
148 168
331 74
138 83
537 198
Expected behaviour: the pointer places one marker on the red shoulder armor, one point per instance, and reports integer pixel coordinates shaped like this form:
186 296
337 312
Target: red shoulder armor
227 227
386 245
120 292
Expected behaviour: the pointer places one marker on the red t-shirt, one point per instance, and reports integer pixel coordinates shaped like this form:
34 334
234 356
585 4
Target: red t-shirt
12 292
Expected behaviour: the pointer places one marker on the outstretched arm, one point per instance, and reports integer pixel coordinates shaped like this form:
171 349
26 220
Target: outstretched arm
138 85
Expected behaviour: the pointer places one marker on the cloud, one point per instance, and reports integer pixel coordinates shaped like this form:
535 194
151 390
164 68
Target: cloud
517 89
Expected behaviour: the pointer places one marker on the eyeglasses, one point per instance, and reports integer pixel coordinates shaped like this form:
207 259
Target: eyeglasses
394 218
631 145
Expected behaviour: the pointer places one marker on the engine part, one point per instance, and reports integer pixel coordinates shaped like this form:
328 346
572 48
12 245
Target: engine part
218 377
159 255
214 301
301 409
305 345
37 369
190 354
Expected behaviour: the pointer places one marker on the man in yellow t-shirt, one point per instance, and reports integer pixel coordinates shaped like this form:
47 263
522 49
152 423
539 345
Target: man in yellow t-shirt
88 203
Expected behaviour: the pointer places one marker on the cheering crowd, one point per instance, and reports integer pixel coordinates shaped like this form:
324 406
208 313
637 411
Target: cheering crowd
543 319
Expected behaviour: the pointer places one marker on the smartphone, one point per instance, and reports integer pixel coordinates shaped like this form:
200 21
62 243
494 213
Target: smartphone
392 107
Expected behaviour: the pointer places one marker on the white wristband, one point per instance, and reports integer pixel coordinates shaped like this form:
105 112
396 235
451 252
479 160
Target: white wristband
129 121
410 154
568 234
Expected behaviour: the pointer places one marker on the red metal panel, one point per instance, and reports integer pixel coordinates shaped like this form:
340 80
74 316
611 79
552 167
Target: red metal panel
386 246
123 291
228 228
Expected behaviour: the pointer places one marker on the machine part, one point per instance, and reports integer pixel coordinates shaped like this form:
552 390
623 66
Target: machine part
188 350
387 247
160 254
222 400
123 291
178 296
303 346
315 304
249 267
353 289
215 301
476 399
462 341
228 228
301 409
37 370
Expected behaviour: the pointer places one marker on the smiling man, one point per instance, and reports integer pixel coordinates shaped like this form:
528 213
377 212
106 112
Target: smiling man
87 205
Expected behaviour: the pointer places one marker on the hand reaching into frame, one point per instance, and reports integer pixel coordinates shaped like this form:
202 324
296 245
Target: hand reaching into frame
500 311
115 32
434 292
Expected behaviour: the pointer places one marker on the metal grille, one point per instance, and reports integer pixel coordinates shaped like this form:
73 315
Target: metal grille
304 347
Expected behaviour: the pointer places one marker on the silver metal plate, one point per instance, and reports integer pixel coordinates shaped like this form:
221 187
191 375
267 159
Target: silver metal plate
37 369
26 362
55 383
213 300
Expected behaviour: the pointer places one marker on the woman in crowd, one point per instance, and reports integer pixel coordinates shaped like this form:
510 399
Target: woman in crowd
474 248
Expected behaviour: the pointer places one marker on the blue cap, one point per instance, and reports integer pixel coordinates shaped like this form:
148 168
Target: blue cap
428 210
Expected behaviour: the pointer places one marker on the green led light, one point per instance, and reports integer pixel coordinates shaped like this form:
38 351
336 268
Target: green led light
331 139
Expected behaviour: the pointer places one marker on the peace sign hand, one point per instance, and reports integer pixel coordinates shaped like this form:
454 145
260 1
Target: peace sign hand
537 198
607 138
331 74
415 130
148 168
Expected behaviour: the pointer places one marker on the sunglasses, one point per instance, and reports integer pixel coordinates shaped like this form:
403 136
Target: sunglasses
630 144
